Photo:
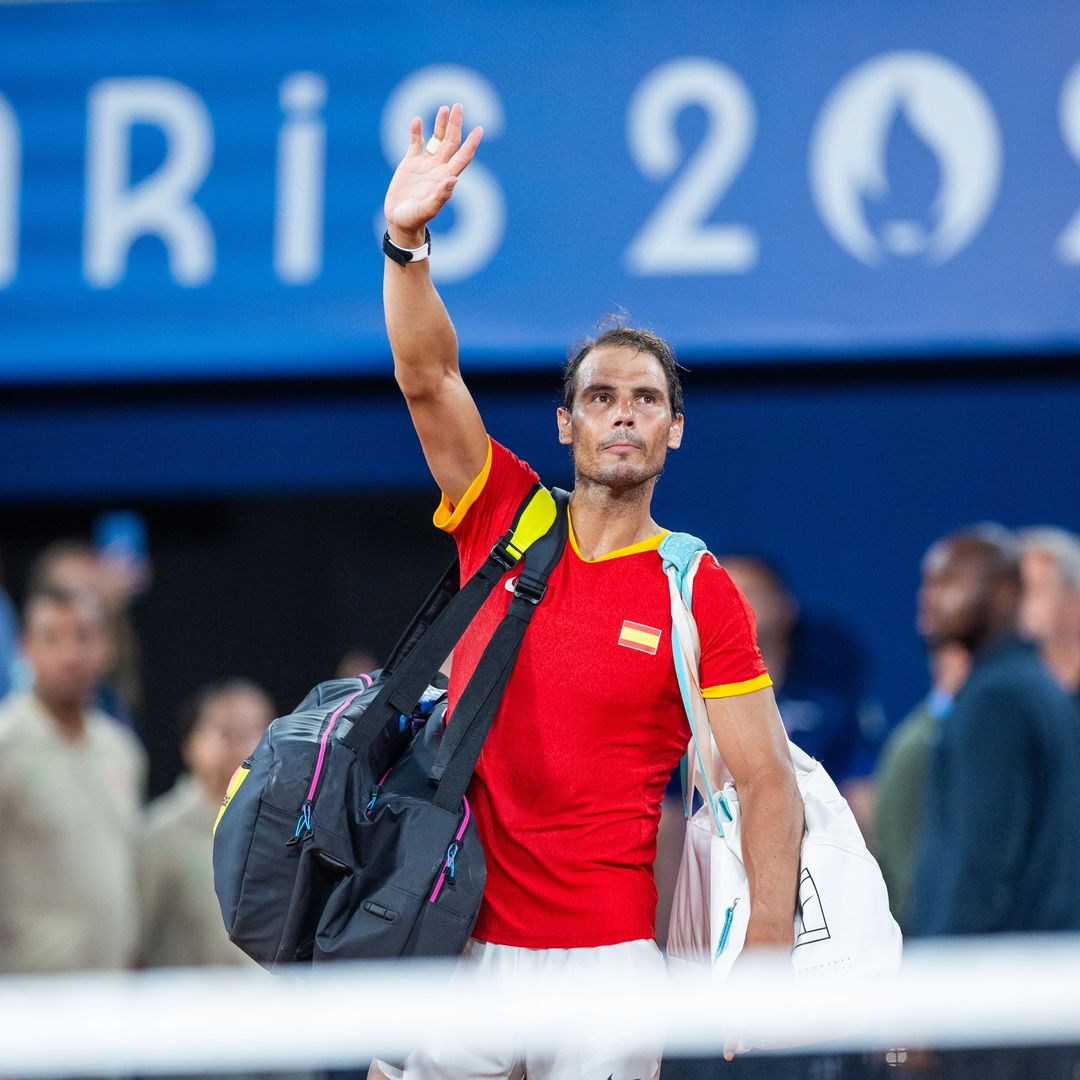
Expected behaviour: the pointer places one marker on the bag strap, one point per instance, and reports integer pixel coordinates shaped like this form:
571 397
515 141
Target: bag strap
681 554
444 617
475 710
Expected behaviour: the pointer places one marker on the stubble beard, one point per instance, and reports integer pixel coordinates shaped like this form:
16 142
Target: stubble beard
622 478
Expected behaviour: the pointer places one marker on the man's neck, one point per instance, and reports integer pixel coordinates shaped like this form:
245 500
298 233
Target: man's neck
989 638
606 519
1063 660
70 718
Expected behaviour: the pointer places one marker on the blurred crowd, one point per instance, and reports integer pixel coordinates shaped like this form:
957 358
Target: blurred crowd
970 802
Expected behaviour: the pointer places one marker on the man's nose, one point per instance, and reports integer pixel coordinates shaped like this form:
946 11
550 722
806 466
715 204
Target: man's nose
624 414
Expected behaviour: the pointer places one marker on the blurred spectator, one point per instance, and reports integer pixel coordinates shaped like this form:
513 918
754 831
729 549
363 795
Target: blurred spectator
70 784
901 777
1000 850
181 921
357 661
816 670
1050 606
77 566
9 641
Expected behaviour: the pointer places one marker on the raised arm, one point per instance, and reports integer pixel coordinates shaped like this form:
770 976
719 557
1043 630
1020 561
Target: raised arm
421 335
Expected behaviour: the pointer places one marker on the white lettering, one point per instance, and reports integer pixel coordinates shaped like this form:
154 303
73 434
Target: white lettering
478 205
678 237
117 212
1068 243
10 172
301 168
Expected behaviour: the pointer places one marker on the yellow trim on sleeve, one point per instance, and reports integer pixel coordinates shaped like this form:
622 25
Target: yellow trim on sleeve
651 544
447 516
736 689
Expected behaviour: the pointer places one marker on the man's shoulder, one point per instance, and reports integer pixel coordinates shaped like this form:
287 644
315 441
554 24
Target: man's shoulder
20 717
1015 673
176 810
491 499
714 587
113 741
915 734
1016 684
109 731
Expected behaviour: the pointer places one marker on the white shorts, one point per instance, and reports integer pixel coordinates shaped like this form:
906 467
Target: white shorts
604 1058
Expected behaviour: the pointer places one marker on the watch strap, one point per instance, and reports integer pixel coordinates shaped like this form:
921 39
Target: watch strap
404 256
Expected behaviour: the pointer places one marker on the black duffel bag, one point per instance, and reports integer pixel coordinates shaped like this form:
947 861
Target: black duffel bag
347 834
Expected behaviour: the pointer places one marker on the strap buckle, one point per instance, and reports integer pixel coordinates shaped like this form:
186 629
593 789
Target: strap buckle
502 554
530 589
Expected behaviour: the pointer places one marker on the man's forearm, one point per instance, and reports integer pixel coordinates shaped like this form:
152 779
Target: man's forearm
772 812
421 334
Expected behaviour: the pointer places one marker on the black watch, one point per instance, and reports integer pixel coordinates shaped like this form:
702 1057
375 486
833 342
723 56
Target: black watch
404 256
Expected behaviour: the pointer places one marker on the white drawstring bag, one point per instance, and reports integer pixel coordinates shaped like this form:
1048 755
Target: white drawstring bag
842 919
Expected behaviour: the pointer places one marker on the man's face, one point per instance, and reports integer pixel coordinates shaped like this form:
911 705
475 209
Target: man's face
1049 606
620 426
227 731
68 649
955 597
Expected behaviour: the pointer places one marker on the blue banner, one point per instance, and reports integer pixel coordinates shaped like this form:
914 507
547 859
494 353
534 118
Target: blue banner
194 188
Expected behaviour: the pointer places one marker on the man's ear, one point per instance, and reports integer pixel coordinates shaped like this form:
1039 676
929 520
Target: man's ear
674 439
565 428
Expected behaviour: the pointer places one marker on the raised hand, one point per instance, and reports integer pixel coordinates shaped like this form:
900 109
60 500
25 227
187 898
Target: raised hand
424 180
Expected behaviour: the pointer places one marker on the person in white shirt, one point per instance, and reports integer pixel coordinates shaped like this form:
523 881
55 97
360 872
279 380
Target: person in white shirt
71 781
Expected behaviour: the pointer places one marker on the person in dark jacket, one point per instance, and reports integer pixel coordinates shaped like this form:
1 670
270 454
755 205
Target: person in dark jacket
1001 846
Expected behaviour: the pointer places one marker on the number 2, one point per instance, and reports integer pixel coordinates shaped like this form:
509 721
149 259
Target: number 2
677 238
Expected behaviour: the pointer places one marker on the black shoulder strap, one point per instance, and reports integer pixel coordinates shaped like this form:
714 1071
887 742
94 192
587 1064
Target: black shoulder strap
474 712
443 618
445 590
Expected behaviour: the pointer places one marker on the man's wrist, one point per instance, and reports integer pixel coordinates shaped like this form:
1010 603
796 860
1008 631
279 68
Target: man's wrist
406 238
770 934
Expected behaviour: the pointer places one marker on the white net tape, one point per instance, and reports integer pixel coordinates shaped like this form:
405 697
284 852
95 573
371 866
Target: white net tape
1015 992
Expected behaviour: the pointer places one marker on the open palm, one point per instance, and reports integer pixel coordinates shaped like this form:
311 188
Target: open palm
423 182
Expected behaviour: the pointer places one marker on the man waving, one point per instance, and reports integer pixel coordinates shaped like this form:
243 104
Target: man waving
568 789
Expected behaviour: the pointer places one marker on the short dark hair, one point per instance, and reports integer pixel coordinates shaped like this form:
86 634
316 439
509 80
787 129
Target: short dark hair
193 707
617 335
996 548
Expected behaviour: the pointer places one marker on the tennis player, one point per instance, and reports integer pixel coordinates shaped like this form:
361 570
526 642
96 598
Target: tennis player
568 790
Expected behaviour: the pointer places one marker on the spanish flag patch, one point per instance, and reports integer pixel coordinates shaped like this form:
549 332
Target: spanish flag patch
643 638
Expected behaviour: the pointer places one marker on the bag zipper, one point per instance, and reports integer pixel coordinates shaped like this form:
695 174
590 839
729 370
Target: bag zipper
303 825
448 868
729 916
376 791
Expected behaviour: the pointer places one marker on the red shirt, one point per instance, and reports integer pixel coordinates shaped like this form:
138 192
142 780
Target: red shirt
568 788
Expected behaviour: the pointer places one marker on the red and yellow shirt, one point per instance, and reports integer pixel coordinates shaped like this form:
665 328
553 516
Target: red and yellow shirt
568 788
